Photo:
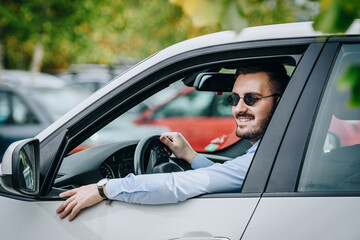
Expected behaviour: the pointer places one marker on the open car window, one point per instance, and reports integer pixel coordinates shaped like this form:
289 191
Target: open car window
201 117
109 152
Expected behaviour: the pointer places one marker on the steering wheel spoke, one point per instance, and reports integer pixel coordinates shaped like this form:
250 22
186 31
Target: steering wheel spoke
151 157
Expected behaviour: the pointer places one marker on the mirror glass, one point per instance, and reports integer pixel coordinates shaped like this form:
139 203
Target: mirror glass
27 177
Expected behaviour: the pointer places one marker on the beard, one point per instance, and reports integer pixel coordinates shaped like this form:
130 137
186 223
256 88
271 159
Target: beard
256 132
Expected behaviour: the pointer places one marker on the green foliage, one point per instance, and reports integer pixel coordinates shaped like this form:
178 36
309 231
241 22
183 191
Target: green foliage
336 15
50 23
90 31
351 80
237 14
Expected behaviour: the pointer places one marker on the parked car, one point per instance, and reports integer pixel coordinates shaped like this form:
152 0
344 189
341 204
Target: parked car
25 78
28 104
191 112
300 185
26 111
93 76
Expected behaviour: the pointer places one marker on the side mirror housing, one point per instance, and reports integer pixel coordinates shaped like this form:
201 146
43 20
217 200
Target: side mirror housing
19 170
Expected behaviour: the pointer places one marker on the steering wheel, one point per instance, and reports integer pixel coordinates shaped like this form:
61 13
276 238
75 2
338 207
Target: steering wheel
151 157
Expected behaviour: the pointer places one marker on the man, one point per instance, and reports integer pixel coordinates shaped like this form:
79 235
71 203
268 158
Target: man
254 97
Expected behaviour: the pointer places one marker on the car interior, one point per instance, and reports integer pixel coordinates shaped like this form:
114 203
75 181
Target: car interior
143 153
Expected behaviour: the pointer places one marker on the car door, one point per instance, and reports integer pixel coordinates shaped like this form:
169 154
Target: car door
314 188
213 216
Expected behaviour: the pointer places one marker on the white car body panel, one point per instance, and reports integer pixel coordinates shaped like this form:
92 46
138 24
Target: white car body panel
209 216
279 218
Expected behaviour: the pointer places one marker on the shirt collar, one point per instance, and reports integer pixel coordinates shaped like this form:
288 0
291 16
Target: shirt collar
253 148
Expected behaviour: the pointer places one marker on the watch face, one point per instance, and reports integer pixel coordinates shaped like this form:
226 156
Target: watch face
102 182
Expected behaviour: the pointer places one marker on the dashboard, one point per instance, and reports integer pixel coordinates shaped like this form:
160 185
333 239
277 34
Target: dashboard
113 160
119 164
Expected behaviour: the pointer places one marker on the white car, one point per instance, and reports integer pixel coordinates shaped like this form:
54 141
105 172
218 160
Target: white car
303 183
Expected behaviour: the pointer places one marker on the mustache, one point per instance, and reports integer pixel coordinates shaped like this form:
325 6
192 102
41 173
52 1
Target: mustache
244 115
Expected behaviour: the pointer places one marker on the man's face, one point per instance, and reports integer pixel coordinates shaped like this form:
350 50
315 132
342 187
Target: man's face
252 120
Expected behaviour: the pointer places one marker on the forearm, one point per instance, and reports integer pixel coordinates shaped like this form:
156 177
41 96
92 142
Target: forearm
154 188
179 186
200 161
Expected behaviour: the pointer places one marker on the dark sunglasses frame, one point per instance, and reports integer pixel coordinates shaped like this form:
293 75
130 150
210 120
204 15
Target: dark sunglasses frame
249 99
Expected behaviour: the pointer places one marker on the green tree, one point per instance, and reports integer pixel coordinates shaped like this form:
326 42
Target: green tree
89 31
59 27
237 14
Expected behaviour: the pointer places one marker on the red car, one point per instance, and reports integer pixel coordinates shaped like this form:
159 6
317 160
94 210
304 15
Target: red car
347 131
206 116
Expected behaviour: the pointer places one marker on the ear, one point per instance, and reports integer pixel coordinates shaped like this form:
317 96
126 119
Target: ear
277 99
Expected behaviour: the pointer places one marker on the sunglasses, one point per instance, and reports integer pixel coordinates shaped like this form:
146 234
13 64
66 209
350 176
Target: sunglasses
249 99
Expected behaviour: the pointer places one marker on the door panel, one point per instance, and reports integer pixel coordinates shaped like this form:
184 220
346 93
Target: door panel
319 218
221 217
314 188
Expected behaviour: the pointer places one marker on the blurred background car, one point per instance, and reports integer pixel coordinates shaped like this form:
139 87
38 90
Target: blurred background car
22 78
28 106
93 76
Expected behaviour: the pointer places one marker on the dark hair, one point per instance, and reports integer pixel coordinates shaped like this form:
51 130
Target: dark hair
276 72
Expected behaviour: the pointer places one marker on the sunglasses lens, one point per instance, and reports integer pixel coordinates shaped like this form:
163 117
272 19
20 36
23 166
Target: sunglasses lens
233 99
249 99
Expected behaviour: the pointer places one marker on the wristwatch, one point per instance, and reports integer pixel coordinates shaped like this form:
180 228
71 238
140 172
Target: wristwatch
100 187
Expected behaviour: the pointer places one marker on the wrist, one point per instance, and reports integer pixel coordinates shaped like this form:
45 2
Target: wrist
191 156
101 186
105 193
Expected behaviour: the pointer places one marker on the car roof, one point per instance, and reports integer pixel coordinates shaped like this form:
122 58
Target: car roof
24 79
267 32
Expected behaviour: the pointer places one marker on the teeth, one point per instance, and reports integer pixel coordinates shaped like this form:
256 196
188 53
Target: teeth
245 120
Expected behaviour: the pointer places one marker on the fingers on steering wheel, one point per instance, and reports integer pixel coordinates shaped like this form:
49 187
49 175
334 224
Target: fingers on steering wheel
167 140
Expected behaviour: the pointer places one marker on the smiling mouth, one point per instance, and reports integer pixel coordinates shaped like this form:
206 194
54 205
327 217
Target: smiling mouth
245 119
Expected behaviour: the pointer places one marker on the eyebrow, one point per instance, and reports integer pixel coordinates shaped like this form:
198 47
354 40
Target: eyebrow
252 93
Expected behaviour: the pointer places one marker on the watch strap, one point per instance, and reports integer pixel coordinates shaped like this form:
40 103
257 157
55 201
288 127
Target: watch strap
101 191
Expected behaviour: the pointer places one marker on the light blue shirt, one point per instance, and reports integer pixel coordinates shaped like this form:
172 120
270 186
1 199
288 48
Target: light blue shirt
162 188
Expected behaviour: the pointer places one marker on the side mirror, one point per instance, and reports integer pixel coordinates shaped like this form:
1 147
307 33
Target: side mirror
19 170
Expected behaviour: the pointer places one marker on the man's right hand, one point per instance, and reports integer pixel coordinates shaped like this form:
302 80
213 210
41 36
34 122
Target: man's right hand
179 146
79 198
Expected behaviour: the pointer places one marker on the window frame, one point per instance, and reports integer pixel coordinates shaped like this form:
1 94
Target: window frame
286 172
272 142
